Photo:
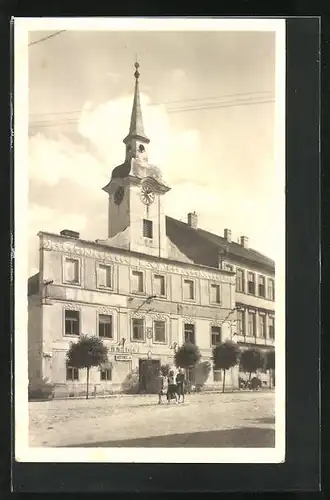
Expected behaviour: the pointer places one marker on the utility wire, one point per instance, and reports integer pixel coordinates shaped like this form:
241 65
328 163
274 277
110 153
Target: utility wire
250 94
215 97
72 121
45 38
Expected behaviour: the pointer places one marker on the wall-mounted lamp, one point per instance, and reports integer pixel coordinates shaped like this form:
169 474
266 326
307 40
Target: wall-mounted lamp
45 283
150 298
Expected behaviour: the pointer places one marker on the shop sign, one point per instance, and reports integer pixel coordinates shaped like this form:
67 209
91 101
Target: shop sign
123 357
120 349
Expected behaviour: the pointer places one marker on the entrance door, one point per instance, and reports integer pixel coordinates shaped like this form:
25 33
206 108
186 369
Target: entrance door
148 373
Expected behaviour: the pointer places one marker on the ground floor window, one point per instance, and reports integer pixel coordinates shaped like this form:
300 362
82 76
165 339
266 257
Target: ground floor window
217 375
72 373
106 374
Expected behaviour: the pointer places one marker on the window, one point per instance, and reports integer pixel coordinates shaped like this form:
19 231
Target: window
261 286
105 326
251 283
159 285
240 323
104 276
138 329
147 228
215 335
160 332
72 322
189 333
271 327
106 374
217 375
71 270
239 280
72 373
271 289
137 281
215 294
188 289
251 324
262 325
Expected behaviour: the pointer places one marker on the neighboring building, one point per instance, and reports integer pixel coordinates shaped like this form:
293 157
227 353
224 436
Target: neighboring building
154 284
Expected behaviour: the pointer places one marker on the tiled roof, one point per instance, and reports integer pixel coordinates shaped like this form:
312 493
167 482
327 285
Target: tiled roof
203 247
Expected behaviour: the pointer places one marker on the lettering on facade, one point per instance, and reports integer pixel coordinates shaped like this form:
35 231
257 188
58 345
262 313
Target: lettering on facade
75 249
122 350
123 357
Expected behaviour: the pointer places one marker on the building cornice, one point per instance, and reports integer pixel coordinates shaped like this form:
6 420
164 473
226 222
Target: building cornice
73 245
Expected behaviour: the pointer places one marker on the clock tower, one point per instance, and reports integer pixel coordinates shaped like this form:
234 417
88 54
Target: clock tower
136 219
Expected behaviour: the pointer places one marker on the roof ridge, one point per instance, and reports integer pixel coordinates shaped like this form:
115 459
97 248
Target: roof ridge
204 233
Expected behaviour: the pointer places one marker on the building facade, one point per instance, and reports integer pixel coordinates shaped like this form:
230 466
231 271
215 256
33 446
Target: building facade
152 285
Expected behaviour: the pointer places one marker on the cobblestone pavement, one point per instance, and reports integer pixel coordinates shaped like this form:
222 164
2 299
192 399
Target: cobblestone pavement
138 420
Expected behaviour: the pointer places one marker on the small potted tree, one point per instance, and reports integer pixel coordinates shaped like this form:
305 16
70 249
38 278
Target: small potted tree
87 352
270 365
186 357
252 360
225 355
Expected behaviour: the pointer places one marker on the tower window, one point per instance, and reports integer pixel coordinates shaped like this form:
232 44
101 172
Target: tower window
147 229
141 148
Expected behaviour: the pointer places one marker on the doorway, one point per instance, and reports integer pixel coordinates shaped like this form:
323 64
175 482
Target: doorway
148 373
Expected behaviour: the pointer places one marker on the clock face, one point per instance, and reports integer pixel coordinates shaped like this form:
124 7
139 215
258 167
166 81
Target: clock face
147 195
119 195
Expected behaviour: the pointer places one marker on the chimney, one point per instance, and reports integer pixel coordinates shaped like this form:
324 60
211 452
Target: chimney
193 220
70 234
245 241
227 235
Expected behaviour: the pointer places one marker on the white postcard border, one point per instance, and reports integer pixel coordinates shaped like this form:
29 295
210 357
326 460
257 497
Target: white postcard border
24 453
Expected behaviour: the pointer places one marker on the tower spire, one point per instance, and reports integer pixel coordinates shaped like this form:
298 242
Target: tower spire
136 130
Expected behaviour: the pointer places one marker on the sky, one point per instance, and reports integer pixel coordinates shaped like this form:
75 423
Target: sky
208 101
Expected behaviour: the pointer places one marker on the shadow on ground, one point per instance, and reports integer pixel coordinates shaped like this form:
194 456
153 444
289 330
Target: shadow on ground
243 437
264 420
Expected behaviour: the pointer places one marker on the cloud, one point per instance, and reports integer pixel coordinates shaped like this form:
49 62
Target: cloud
42 218
114 77
51 160
74 166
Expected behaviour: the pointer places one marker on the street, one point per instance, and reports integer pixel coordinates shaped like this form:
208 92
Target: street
242 419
